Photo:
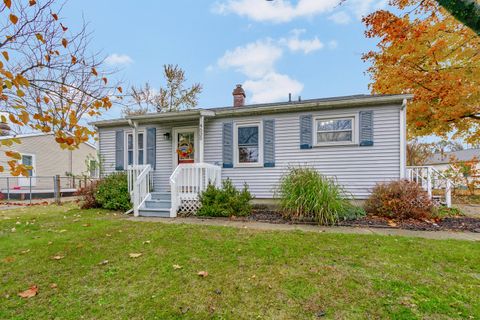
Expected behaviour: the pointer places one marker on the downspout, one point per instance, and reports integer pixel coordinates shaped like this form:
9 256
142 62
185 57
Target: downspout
403 139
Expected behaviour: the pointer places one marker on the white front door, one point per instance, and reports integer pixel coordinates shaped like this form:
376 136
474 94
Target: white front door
28 160
185 142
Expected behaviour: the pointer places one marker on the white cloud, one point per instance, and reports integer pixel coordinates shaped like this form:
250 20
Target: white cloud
294 43
340 17
118 59
272 87
281 11
257 62
274 11
254 60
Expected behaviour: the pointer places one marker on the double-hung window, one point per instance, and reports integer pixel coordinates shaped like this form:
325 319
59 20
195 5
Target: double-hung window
248 144
130 148
333 131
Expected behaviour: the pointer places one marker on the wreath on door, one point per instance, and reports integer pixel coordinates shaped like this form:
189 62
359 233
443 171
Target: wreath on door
185 150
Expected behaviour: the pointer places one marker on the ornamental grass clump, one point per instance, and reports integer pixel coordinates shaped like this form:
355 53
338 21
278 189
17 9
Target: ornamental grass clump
305 194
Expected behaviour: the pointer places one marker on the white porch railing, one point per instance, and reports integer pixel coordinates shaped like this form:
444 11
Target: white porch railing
188 181
432 180
139 181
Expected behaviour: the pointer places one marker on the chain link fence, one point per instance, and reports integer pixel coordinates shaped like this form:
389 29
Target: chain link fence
41 187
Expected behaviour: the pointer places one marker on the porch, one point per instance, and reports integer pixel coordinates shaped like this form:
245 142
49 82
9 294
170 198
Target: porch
166 169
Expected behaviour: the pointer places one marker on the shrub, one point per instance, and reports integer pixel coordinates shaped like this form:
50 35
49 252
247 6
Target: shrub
226 201
306 194
112 192
400 200
444 212
87 196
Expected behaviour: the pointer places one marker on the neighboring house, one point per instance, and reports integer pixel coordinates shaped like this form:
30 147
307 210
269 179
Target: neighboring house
47 158
445 162
442 161
359 140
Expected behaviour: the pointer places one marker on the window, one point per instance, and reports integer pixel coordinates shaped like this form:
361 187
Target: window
93 168
129 148
27 160
141 148
248 144
332 131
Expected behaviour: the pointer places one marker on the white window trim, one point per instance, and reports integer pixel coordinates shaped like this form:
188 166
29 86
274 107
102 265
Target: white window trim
33 161
239 164
355 126
25 181
135 156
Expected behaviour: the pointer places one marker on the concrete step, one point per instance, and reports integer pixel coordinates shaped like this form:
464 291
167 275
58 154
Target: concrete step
158 204
151 212
160 195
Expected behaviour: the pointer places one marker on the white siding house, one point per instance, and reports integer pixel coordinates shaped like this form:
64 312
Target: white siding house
358 140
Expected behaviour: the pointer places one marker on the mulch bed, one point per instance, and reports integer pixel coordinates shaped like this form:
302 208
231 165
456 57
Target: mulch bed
450 223
460 223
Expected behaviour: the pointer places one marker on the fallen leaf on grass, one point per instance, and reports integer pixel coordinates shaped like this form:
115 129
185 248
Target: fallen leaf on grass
203 274
176 266
50 242
108 235
58 257
134 255
14 229
53 286
8 259
102 263
86 225
30 292
25 251
146 242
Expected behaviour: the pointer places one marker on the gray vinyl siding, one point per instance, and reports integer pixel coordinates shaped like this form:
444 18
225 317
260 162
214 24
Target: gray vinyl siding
357 168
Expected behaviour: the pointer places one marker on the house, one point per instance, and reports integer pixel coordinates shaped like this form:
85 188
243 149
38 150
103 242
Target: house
442 161
449 163
47 159
170 157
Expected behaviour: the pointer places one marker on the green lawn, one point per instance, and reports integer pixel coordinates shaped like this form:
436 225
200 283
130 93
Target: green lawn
252 274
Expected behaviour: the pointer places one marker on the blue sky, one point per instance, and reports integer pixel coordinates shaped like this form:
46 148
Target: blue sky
310 48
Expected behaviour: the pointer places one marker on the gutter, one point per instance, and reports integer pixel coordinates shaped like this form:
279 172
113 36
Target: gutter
323 105
265 109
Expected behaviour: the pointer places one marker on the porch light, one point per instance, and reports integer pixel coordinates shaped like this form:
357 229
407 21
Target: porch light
166 136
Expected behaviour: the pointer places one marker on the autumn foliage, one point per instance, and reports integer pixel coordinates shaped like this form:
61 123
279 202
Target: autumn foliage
425 51
48 82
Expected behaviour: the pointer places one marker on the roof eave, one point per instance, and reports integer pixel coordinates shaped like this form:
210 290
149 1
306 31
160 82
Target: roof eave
355 102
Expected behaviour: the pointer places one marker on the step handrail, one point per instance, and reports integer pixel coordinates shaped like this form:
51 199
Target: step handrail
195 178
428 176
139 180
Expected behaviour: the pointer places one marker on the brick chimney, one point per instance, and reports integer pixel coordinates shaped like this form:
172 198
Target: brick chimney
238 96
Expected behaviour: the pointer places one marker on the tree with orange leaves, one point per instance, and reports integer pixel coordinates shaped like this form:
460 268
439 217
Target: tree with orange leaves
425 51
48 80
